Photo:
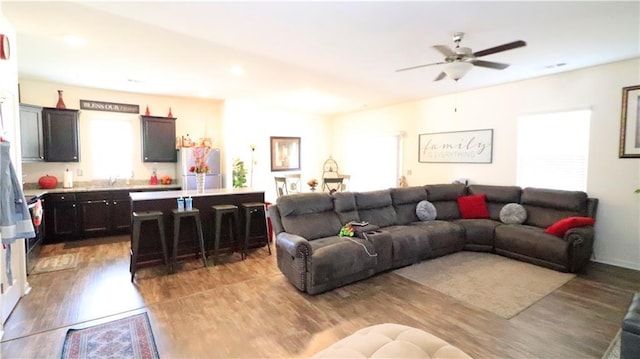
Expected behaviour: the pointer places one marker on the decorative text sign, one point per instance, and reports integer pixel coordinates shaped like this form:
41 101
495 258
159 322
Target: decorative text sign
461 146
108 106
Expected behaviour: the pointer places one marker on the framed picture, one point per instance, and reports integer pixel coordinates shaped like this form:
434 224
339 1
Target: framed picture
630 123
456 147
285 153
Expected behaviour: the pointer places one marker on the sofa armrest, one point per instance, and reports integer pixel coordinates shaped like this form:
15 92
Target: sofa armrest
294 245
579 235
581 246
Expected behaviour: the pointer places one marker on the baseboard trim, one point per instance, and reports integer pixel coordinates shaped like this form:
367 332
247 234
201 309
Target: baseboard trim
618 263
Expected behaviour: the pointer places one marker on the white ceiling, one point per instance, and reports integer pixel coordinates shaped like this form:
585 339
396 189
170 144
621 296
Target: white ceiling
321 57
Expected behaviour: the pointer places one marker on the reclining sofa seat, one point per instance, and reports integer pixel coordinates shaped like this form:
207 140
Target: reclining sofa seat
310 252
529 243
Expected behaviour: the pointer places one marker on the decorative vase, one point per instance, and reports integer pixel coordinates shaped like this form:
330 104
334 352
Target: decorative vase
146 112
60 103
313 188
170 115
200 182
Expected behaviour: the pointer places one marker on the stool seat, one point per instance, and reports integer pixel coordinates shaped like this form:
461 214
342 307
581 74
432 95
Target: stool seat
250 210
219 211
138 218
178 215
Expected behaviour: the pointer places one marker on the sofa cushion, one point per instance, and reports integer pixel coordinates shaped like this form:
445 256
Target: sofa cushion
409 244
530 243
497 197
547 206
444 236
344 204
426 211
445 198
562 226
309 215
376 208
405 201
513 213
335 258
474 206
478 233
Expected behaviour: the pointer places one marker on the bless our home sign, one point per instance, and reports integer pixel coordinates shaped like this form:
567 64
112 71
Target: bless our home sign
108 106
456 147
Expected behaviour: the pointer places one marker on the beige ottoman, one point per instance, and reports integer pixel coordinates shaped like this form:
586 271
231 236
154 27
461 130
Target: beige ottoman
391 341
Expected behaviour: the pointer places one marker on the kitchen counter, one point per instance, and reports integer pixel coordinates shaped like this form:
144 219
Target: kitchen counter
28 193
149 196
150 251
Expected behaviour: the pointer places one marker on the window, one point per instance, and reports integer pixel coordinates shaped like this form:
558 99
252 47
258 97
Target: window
112 147
553 150
382 167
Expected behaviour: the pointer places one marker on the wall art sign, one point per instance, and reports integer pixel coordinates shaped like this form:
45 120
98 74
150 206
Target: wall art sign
630 123
108 106
285 153
456 147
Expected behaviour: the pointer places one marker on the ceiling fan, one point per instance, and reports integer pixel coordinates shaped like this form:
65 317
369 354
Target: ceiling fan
460 60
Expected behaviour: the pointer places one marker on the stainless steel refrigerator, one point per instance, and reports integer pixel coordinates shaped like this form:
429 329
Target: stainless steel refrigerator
187 180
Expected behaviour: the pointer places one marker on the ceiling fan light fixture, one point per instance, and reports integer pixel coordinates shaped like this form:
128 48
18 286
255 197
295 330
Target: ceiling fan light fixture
457 69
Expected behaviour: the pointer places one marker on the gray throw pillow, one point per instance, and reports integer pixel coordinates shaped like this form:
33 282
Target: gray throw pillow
513 213
426 211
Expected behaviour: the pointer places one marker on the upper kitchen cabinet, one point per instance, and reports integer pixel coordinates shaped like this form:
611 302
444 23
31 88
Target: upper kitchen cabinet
60 130
158 139
31 133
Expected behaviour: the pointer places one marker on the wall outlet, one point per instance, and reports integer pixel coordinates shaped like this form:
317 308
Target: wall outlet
409 172
79 172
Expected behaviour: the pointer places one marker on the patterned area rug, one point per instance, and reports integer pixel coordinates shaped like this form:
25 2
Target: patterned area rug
613 352
498 284
125 338
54 263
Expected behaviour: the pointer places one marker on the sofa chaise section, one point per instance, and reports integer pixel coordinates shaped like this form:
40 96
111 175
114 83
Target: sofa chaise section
528 242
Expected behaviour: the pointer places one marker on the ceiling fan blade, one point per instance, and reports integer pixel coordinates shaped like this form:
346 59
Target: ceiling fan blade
490 64
445 50
440 76
504 47
419 66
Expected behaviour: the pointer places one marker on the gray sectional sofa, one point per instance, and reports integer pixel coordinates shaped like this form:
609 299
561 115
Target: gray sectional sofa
315 258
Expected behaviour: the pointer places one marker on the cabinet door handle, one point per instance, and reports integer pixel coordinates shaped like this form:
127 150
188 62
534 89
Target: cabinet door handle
62 198
74 205
114 203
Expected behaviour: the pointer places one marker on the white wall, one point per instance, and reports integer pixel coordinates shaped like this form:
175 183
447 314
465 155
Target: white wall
610 179
247 123
196 117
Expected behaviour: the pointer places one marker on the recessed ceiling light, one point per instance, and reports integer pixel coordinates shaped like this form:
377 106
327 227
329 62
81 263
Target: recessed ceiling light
237 70
75 41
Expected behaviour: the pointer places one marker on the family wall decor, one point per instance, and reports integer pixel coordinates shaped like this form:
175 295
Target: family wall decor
474 146
630 123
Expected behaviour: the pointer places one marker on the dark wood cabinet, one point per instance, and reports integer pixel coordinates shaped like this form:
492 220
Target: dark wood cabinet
60 131
61 216
158 139
104 213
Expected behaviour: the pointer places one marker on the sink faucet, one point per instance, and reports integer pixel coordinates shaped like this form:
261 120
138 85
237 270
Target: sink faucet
112 180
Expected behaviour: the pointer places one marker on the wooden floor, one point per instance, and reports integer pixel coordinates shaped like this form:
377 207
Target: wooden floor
248 309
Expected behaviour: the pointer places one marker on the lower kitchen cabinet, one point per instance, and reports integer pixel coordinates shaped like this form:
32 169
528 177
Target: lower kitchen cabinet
61 216
104 213
77 215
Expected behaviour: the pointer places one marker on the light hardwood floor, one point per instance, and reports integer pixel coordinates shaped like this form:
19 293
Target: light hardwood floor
248 309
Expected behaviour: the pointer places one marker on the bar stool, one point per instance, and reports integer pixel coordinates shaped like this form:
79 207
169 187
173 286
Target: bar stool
178 215
250 210
219 211
138 218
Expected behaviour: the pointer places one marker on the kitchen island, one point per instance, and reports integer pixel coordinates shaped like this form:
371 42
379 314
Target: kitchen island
150 250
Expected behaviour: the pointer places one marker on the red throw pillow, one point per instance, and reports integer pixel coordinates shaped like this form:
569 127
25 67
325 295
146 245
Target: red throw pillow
473 206
562 226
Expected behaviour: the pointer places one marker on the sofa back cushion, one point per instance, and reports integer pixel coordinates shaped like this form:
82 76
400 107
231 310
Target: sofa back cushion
405 200
496 197
309 215
445 198
344 204
376 207
547 206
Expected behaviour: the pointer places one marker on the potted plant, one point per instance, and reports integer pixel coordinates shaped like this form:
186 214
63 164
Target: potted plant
239 174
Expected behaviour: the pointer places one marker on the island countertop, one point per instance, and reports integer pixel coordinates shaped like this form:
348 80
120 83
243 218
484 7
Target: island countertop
158 195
